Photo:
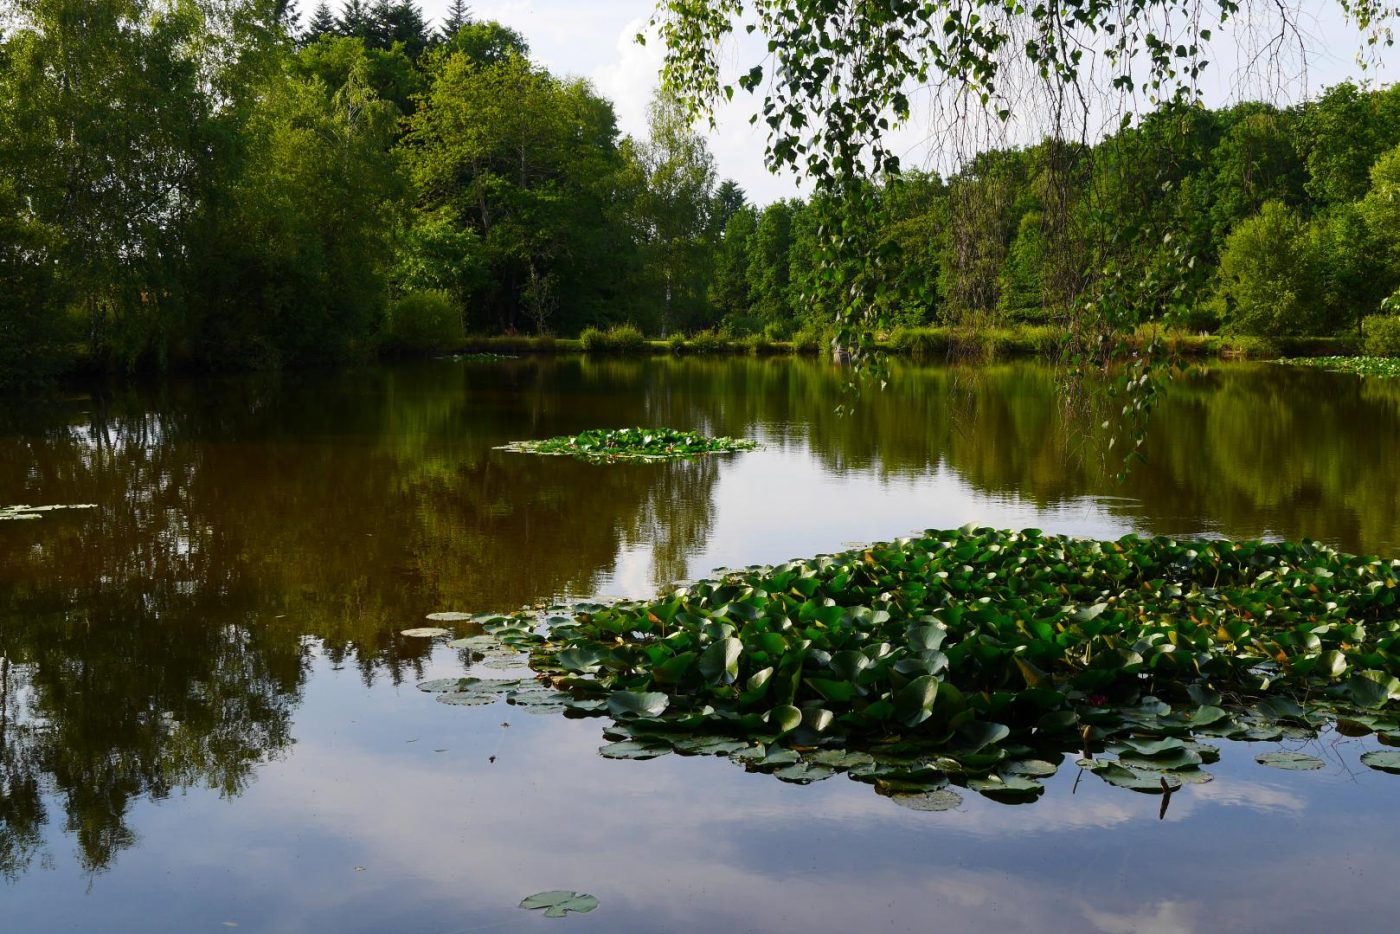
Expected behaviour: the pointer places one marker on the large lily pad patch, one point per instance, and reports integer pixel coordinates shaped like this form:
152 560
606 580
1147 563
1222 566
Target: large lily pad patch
632 444
981 658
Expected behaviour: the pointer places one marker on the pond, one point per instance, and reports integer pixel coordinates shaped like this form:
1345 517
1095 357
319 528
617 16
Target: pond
209 720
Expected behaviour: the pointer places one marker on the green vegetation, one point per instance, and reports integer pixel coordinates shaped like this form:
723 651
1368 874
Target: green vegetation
633 444
557 904
1382 335
224 187
622 338
981 657
422 322
1363 366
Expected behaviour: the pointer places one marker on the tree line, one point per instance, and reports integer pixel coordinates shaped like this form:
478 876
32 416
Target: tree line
222 185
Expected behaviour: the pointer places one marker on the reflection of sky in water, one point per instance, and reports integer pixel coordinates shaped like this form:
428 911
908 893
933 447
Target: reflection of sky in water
386 813
388 816
773 505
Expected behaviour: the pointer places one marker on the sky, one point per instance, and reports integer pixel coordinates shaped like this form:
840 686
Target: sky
594 39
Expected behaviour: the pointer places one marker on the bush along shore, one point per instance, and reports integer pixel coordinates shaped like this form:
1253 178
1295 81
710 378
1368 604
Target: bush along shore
981 659
924 344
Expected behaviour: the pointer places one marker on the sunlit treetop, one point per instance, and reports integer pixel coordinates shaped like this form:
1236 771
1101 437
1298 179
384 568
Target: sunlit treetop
838 74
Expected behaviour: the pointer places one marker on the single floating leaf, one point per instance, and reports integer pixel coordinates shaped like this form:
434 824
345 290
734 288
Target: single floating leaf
1292 761
425 632
557 904
1384 760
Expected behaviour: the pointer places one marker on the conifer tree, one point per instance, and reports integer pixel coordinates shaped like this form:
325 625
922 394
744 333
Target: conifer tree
458 15
322 24
355 20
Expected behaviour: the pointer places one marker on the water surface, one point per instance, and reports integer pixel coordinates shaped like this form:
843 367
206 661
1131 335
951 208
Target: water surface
207 717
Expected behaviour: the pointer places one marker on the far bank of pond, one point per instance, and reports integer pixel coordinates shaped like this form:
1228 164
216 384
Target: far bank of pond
210 715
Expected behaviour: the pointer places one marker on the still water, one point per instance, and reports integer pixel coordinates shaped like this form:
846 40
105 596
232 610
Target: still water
208 720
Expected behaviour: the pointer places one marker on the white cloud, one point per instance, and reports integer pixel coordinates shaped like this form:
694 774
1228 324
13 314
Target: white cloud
594 39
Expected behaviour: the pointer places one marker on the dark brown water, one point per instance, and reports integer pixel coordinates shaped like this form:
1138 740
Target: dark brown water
207 717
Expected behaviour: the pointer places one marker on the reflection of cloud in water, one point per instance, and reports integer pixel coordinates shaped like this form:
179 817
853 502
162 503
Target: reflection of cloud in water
1167 917
696 843
1257 796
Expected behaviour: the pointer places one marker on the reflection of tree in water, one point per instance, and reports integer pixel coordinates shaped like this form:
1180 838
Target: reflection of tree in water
159 642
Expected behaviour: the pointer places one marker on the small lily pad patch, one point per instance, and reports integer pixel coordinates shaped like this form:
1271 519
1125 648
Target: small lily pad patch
559 903
632 444
426 632
1384 760
20 513
449 617
1292 761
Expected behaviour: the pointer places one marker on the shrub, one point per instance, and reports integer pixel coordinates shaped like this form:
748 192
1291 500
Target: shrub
621 338
921 343
710 342
759 345
422 322
1382 335
811 338
676 344
1269 277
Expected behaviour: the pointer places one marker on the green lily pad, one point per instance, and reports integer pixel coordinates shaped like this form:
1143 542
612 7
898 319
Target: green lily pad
803 773
425 632
1152 783
624 704
449 617
634 749
941 799
557 904
443 685
475 643
1030 768
1009 789
1292 761
468 698
1385 760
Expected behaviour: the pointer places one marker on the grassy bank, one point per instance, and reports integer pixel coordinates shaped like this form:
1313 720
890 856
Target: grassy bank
930 343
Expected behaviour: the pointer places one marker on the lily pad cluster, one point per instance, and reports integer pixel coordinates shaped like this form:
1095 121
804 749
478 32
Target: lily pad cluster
1362 366
632 444
983 657
16 513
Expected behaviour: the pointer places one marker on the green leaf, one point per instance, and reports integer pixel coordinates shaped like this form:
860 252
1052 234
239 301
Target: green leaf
557 904
1385 760
1292 761
786 718
914 702
627 704
720 661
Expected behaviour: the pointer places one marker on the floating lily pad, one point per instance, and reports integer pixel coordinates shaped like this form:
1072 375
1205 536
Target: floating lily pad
1011 789
1292 761
468 698
634 749
557 904
476 643
1385 760
449 617
425 632
631 444
803 773
443 685
941 799
623 704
